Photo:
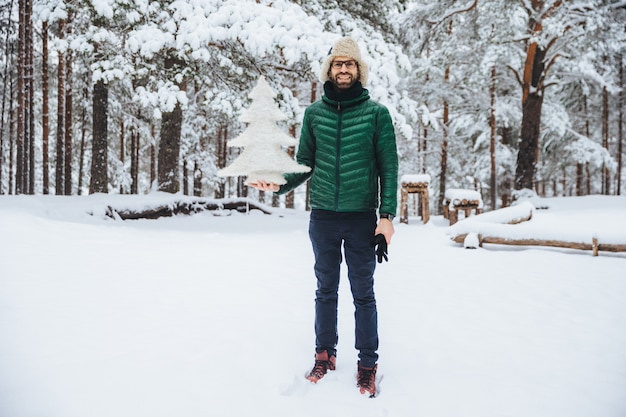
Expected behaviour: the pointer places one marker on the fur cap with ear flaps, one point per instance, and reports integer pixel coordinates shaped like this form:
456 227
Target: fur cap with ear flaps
349 48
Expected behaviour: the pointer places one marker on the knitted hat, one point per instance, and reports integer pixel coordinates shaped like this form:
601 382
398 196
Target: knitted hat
349 48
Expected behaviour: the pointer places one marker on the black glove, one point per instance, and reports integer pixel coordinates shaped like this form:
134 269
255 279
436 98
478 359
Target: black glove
381 247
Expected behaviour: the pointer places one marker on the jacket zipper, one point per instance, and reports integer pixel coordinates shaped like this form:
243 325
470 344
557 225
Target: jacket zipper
338 157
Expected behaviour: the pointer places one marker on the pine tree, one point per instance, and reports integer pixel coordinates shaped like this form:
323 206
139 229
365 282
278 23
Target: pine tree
263 157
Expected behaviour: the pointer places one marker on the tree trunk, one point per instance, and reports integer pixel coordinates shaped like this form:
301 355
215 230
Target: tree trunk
99 163
21 99
60 156
134 161
24 164
153 158
606 175
492 142
588 178
580 167
444 147
185 177
30 73
532 102
620 124
81 157
8 56
580 175
291 151
528 153
45 108
221 160
197 180
69 130
29 120
422 150
122 152
422 144
169 143
169 151
444 142
12 138
242 189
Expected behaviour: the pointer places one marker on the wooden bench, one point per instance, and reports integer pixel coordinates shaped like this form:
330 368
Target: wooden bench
467 201
416 186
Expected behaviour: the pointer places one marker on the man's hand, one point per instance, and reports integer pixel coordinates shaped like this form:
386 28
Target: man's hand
264 186
385 228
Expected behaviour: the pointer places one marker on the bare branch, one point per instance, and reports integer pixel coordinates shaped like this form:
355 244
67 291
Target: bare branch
517 76
552 9
454 12
618 5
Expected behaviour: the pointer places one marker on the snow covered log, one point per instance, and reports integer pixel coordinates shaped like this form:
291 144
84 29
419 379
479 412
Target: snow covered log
242 205
594 245
482 223
509 215
502 227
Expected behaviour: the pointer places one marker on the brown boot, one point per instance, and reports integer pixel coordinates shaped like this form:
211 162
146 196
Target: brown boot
366 380
323 363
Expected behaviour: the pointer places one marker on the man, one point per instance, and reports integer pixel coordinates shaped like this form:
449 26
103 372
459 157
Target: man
348 140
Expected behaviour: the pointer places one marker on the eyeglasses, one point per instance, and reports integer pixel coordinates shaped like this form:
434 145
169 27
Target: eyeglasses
339 64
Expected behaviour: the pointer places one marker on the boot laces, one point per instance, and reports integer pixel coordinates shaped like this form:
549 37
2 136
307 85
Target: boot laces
319 369
366 378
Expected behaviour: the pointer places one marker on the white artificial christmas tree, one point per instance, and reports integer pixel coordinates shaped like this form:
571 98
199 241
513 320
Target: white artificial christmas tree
263 157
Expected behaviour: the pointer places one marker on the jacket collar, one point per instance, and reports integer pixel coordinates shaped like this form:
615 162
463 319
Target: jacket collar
345 98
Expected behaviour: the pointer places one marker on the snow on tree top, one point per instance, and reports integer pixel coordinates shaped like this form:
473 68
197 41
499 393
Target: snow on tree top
262 90
263 106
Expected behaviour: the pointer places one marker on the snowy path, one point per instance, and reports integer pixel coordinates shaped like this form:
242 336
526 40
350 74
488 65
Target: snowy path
212 316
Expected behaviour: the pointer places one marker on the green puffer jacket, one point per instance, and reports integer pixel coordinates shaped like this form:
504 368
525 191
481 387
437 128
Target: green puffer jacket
351 148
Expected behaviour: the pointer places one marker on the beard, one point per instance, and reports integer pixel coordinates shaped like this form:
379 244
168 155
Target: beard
343 81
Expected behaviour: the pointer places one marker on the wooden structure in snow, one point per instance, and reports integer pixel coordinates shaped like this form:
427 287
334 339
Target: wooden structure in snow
415 186
457 199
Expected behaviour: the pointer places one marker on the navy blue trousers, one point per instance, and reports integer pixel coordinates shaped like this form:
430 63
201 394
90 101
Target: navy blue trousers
329 232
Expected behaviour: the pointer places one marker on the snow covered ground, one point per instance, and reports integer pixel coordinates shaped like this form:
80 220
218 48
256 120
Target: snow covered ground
210 315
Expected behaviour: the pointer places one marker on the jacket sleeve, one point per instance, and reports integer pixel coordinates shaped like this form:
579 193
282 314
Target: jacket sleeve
304 156
387 163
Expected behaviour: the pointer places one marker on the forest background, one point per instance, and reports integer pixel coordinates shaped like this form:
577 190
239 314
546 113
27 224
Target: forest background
130 96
